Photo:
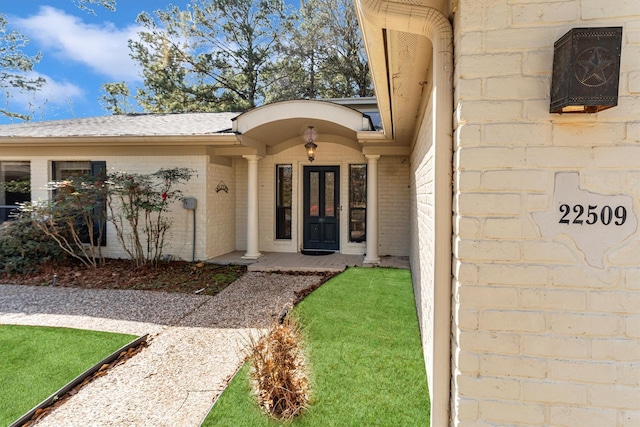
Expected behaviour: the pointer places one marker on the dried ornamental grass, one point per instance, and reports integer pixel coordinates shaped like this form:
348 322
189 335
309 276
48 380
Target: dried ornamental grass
279 371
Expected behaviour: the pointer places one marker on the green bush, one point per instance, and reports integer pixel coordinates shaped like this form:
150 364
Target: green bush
23 247
73 217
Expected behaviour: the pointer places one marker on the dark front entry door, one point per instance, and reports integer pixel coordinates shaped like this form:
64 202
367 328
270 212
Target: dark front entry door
321 207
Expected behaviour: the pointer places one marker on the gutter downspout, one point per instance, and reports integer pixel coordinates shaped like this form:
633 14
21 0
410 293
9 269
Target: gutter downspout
431 23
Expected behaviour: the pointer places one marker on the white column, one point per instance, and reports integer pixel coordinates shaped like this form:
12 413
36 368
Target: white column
253 236
372 210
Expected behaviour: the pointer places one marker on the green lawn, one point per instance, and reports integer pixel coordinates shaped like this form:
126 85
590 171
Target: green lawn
365 354
35 362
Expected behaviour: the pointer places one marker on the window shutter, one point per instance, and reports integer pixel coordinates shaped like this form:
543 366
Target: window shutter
99 169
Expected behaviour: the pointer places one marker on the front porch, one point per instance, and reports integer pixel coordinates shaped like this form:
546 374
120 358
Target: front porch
350 196
284 261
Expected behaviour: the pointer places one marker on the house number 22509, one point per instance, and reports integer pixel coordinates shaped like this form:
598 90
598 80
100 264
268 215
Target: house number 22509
591 214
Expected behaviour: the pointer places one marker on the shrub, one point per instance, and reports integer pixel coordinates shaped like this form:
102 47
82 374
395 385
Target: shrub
23 247
74 218
279 371
139 204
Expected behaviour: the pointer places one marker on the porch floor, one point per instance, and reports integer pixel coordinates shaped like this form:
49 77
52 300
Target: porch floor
285 261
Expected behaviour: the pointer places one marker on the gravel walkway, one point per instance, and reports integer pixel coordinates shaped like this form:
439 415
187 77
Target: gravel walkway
197 343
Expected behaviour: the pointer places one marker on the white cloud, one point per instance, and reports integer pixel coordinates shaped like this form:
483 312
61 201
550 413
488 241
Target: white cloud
103 48
53 94
59 93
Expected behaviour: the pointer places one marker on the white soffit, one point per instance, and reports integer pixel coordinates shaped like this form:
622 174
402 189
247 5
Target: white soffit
400 66
409 57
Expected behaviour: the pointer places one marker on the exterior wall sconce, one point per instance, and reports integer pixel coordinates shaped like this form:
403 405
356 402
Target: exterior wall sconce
586 70
310 136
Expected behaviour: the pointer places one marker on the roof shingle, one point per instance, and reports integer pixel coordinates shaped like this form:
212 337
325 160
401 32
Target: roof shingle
125 125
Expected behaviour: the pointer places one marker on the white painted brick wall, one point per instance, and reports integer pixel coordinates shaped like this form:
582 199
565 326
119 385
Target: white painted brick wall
594 10
179 239
578 372
504 412
512 366
221 211
568 416
393 194
540 337
422 236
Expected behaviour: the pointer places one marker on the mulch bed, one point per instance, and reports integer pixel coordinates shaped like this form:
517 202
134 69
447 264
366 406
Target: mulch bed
175 276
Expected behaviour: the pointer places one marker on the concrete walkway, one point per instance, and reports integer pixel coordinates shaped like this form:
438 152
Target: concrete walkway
286 261
197 343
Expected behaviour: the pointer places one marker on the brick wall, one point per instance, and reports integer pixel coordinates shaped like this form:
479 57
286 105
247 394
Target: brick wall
422 233
540 336
393 193
179 239
221 216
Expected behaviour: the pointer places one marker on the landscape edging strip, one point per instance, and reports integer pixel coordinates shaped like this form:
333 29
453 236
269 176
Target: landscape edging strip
78 380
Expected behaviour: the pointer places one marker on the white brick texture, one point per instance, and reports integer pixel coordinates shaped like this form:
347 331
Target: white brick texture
540 337
422 232
221 216
179 239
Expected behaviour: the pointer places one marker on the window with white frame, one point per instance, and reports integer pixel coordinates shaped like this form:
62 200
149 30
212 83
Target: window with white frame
357 202
284 195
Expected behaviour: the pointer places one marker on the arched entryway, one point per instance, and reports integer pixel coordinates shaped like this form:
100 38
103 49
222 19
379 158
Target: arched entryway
293 203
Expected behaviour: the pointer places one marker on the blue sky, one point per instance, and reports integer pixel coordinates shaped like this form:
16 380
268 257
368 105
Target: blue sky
80 52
